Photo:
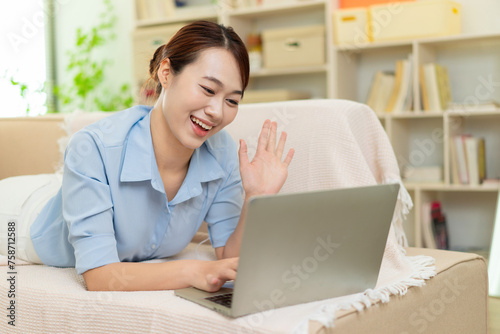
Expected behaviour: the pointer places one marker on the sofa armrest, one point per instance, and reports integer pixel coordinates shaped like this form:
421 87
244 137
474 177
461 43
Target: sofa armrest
454 301
28 145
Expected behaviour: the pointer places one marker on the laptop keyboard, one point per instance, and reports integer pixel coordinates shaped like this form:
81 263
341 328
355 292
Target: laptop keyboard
223 299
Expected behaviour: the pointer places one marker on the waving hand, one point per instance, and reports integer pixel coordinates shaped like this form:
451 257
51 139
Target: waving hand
266 173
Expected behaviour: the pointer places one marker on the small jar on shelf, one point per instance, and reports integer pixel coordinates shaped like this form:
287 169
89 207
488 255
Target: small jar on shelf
254 46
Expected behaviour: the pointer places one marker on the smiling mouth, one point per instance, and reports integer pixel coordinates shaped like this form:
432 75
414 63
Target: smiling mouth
202 125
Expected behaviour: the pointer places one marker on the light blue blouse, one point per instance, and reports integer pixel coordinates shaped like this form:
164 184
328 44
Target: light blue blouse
112 205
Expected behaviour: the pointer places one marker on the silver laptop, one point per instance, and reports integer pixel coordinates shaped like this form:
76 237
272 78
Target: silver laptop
304 247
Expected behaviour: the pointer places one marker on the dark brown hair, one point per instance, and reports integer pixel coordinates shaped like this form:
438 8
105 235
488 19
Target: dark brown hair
186 45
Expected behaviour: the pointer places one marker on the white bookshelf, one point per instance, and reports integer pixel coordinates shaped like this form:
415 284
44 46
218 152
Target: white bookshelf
471 59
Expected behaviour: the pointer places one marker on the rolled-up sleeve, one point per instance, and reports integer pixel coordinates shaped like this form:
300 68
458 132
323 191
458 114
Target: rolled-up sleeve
224 213
87 203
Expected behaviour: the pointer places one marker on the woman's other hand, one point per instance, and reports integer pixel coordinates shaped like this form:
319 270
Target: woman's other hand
266 173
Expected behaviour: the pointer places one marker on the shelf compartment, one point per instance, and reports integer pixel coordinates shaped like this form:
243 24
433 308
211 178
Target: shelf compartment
469 217
473 66
486 126
465 230
417 142
356 70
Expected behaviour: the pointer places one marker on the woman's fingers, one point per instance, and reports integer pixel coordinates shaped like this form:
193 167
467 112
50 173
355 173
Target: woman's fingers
271 142
243 153
289 157
225 271
281 145
262 143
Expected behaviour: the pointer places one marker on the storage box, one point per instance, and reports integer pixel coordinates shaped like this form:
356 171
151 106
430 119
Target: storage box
273 95
350 26
364 3
414 20
300 46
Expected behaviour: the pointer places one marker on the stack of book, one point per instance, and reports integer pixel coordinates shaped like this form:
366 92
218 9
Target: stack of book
381 90
392 91
468 159
434 87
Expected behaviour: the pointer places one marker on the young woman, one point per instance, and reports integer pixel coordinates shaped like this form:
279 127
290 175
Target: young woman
138 184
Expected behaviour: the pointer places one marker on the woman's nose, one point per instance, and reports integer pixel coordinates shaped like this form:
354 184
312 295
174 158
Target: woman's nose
214 111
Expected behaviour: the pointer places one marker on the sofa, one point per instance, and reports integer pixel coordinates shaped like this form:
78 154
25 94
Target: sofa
55 300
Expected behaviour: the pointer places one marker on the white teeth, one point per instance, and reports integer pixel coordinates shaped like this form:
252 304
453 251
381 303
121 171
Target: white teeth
200 123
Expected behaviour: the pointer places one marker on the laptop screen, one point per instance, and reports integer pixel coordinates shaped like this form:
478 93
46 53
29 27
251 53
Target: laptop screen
494 261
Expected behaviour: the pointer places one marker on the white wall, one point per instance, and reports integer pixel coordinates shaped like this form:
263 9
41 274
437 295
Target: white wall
71 14
480 16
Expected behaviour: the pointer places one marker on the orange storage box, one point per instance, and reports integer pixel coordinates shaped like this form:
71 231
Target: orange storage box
364 3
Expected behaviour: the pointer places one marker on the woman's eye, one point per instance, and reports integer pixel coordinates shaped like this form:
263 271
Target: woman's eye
233 102
208 90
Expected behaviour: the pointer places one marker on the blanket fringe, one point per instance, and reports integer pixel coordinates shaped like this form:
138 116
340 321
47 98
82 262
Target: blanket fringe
403 206
423 269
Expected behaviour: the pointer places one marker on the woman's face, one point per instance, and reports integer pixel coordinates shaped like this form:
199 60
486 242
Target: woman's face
203 98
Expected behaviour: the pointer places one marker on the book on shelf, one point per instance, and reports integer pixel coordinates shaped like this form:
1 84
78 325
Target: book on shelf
380 90
428 239
423 88
460 161
455 175
434 87
443 83
401 99
468 159
471 155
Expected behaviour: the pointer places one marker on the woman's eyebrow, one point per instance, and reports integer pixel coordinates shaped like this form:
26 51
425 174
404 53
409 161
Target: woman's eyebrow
220 84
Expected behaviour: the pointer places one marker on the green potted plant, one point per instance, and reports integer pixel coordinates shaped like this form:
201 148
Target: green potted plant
86 90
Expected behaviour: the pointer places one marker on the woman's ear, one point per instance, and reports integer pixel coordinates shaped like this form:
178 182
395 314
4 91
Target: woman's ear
164 71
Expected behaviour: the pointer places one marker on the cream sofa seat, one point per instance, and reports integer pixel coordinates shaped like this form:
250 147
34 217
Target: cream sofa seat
55 300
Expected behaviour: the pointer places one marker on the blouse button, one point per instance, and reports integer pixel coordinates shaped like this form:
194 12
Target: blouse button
153 246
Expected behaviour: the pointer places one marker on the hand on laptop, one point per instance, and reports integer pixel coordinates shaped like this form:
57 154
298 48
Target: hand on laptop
266 173
211 275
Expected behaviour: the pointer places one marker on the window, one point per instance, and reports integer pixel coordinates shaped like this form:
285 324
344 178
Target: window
22 58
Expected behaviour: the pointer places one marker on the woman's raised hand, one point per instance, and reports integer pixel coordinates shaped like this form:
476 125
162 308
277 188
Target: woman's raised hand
266 173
